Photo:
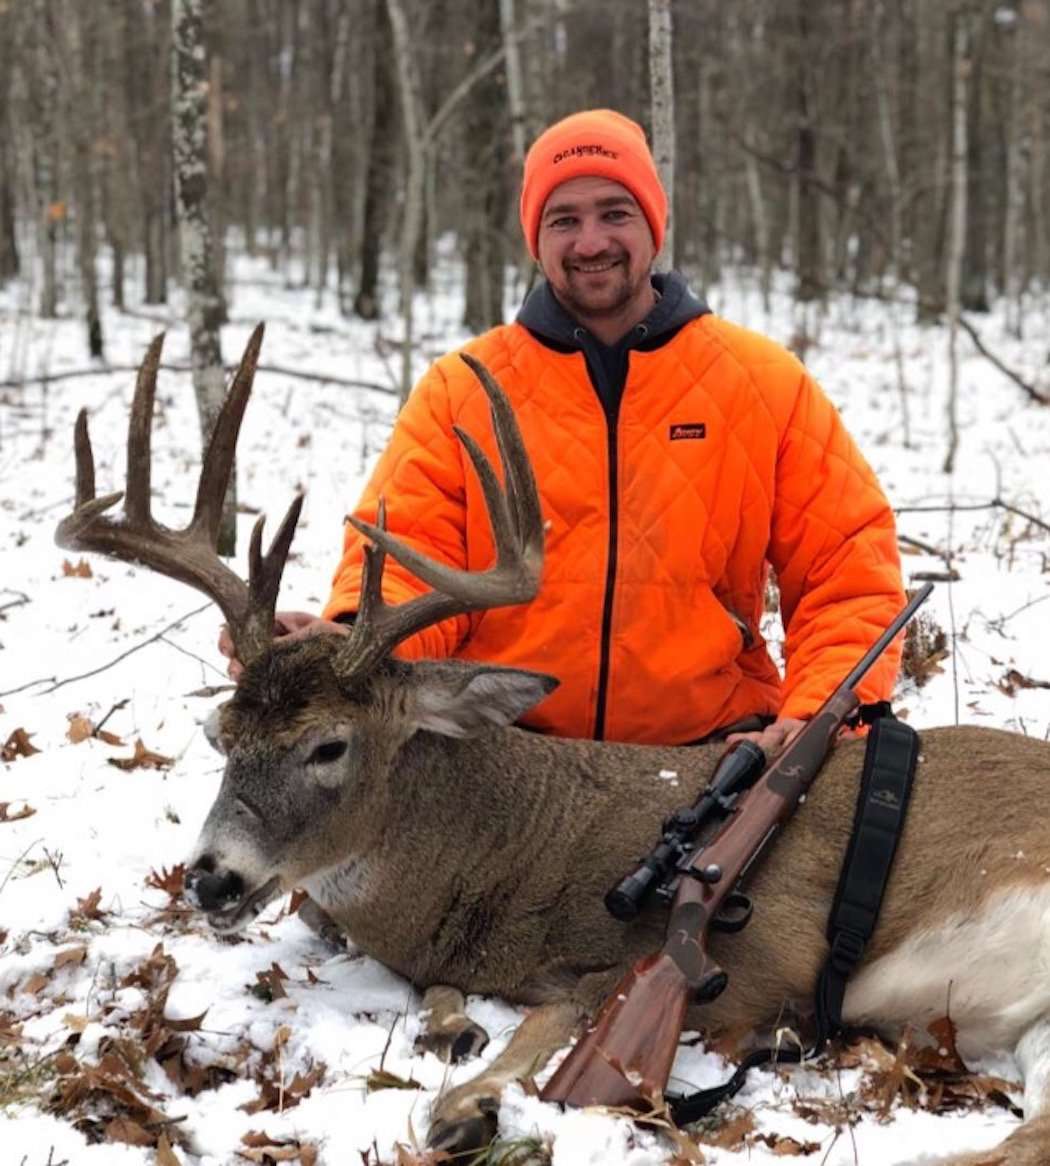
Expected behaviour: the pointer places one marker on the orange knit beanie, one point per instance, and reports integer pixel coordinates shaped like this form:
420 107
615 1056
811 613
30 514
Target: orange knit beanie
596 143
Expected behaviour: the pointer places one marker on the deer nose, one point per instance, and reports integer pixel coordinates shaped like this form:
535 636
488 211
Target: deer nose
209 890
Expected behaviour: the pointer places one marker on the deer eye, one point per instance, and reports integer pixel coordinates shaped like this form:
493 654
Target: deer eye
327 752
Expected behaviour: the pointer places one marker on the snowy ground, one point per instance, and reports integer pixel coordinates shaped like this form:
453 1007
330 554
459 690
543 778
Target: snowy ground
99 963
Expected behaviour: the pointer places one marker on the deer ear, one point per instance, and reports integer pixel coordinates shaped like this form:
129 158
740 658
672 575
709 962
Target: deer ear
459 701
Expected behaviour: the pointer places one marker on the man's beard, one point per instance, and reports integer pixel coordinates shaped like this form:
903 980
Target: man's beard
624 291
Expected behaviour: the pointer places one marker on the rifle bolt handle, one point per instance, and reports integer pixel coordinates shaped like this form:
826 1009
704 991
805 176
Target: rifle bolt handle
710 874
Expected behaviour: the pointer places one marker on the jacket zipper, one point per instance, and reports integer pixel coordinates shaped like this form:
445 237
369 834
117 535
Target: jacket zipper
611 408
605 648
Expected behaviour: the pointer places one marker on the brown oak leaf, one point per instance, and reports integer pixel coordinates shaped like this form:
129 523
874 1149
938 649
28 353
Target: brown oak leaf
142 758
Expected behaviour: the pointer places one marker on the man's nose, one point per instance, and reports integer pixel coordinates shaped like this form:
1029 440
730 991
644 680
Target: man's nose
592 238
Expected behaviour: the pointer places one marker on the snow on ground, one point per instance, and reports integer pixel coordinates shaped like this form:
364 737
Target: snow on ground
94 962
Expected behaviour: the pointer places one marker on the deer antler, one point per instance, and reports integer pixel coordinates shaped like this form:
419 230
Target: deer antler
189 555
517 528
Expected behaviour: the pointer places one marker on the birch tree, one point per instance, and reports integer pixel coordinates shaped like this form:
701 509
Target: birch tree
412 209
661 94
204 307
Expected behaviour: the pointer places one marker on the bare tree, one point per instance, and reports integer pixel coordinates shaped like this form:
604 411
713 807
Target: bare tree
961 61
412 207
661 91
379 180
204 306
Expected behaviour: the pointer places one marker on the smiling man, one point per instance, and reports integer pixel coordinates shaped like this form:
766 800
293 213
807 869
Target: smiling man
678 459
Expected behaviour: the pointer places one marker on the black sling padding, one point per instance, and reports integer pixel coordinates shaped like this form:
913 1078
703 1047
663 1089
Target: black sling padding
882 804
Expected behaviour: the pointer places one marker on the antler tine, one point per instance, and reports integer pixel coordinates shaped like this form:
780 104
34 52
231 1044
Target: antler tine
521 481
517 528
140 432
264 581
188 555
218 460
85 460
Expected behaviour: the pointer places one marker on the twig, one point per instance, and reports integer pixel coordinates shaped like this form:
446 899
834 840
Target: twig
1031 390
123 655
955 507
919 545
116 708
55 861
276 369
28 684
192 655
13 866
19 602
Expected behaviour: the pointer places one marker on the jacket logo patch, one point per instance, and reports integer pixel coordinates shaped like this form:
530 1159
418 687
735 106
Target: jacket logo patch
689 432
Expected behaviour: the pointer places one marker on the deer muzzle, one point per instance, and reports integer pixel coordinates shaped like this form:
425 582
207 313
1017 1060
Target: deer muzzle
223 896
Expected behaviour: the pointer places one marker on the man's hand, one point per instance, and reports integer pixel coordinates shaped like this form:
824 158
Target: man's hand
774 739
287 625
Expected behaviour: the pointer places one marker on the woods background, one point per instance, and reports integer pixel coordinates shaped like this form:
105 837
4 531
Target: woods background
833 138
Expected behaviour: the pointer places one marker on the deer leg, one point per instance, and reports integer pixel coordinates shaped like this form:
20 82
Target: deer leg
449 1032
464 1118
321 923
1027 1145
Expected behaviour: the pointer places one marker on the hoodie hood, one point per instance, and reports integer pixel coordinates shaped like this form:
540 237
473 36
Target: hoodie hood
552 325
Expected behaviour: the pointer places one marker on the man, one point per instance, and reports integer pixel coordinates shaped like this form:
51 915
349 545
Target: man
677 456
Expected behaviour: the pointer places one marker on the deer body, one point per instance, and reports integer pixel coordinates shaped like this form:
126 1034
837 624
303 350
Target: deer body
471 856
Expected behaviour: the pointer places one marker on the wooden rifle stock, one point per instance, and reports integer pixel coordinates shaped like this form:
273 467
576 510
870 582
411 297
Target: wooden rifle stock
624 1058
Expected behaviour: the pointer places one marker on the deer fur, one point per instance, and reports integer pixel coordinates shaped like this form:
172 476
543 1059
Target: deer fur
461 852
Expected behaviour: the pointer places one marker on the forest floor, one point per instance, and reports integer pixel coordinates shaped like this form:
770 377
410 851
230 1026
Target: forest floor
128 1032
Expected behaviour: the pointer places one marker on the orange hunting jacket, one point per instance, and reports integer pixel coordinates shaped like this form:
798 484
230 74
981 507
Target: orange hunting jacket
725 458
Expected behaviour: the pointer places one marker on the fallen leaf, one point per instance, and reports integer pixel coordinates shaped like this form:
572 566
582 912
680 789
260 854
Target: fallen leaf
1012 680
142 758
81 570
165 1154
36 983
80 728
87 908
26 811
18 745
731 1134
75 1021
123 1129
168 880
70 955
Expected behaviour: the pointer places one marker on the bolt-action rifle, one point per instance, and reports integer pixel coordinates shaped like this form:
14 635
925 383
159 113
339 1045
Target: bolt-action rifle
625 1056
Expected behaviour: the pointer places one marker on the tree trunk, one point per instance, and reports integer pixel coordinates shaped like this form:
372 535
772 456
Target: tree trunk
961 62
10 264
379 183
486 196
412 211
661 98
974 289
808 266
515 83
203 300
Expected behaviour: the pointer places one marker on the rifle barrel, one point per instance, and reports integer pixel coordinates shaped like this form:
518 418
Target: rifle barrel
883 642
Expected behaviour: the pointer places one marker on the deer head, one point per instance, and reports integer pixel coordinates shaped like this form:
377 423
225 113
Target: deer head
314 726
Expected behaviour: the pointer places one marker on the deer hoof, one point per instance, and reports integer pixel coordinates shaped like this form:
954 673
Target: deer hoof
466 1134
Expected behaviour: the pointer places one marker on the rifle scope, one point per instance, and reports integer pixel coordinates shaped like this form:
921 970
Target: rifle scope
739 769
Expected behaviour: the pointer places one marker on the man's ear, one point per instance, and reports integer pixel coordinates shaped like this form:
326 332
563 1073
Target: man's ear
462 700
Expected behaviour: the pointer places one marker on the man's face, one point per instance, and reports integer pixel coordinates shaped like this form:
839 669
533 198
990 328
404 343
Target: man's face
596 250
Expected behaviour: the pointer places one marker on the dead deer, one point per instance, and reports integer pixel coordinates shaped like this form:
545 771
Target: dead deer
472 856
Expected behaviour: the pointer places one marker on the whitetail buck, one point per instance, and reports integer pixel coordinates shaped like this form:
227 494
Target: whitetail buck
471 856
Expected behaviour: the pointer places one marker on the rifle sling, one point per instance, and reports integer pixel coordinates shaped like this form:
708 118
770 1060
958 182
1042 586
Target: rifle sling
882 804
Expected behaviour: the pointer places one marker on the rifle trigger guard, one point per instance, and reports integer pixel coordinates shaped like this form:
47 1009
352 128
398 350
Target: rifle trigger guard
735 914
